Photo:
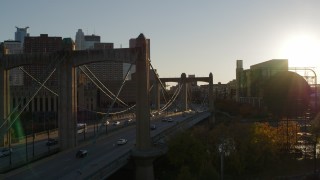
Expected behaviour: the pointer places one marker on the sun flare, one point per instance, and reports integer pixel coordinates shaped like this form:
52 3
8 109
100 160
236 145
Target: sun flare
302 51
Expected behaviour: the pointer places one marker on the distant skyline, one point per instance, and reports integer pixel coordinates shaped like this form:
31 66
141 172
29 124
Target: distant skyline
192 37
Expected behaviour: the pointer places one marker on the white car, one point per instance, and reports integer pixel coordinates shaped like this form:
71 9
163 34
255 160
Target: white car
116 123
122 141
5 152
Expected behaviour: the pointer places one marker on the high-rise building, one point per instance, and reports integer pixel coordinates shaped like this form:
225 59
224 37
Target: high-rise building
106 71
12 47
42 43
84 42
20 34
80 43
90 40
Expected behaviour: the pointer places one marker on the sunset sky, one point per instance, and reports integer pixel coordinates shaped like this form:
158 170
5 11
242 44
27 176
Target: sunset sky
194 37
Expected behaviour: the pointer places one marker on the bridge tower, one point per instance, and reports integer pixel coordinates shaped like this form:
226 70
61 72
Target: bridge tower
4 104
184 92
157 90
67 111
211 103
144 153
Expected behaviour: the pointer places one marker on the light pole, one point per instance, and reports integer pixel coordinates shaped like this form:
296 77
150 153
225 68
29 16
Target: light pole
225 148
32 135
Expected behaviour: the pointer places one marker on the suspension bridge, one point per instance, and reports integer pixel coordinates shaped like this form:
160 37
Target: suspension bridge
104 158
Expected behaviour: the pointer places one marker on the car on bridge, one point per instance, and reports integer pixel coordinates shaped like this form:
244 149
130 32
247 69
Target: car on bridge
106 123
51 142
128 121
153 127
169 119
5 152
116 123
81 153
122 141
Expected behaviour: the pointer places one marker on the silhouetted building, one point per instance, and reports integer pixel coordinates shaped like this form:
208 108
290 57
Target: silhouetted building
103 46
68 44
12 47
42 43
250 82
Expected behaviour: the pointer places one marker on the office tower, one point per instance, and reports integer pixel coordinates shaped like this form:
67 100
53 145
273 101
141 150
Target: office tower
20 34
42 43
80 42
90 40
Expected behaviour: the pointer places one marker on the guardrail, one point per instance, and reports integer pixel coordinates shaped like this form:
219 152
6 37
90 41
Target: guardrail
187 123
111 167
21 140
31 159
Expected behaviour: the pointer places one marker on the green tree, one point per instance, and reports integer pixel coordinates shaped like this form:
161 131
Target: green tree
186 150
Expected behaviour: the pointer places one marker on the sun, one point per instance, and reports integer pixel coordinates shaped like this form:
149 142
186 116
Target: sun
302 51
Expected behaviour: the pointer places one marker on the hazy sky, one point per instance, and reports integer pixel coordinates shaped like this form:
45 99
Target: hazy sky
191 36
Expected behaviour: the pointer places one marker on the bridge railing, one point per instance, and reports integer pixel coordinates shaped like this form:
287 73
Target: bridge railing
111 167
187 123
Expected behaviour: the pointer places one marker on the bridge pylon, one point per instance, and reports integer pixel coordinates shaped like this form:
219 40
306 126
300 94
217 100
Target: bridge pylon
4 106
211 101
143 153
67 111
184 92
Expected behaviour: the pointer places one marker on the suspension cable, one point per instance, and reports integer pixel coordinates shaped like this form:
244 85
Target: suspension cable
158 79
114 100
25 106
36 80
174 96
103 85
37 90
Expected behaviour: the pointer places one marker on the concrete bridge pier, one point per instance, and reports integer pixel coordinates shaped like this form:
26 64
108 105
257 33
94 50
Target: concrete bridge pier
67 111
143 153
184 92
211 101
4 104
157 95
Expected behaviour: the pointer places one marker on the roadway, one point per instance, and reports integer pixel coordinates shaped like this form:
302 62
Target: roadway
101 150
37 148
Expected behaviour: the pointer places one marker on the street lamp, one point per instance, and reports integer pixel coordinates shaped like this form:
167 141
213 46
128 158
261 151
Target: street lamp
225 148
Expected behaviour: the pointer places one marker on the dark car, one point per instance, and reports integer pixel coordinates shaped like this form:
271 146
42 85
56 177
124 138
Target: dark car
51 142
153 127
5 152
81 153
